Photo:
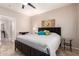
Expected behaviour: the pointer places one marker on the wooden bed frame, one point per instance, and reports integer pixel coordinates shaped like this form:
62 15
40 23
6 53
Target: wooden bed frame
29 51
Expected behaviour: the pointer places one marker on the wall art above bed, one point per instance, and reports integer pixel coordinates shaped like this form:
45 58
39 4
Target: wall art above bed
48 23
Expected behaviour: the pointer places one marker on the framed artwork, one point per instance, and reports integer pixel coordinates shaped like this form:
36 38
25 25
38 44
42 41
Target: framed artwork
48 23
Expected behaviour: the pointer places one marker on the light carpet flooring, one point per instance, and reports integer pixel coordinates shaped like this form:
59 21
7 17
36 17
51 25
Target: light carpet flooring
7 49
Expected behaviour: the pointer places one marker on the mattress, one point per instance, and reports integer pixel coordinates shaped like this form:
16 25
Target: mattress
41 42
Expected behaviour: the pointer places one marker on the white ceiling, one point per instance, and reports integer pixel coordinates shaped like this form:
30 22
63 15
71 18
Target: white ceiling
40 7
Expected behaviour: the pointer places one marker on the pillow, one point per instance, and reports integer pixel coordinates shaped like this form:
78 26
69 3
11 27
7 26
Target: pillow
41 33
47 32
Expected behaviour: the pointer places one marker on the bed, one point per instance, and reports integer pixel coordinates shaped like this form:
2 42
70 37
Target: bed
39 45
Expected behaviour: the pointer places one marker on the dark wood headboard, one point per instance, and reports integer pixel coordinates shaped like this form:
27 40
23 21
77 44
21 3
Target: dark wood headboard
51 29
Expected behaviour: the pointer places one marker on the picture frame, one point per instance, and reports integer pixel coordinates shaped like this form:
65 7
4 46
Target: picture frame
48 23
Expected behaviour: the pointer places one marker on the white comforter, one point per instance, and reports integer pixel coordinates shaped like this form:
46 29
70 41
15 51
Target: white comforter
51 41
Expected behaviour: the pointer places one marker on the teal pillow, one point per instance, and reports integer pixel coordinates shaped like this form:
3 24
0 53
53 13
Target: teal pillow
41 33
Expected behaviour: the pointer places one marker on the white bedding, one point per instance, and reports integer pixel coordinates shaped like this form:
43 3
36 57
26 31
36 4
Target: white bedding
41 42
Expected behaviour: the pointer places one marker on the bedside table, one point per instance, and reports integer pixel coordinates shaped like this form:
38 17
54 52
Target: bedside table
67 43
23 33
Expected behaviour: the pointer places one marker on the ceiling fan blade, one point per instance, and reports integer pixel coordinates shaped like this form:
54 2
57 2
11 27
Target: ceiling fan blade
31 5
23 6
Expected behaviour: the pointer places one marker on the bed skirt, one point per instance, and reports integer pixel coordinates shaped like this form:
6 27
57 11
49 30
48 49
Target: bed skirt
29 51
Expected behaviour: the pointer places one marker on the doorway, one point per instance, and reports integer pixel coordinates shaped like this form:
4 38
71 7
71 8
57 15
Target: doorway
7 29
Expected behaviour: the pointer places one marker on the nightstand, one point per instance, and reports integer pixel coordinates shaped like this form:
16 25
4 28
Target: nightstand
67 43
23 33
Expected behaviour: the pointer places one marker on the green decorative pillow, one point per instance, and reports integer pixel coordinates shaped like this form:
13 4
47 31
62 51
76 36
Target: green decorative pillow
47 32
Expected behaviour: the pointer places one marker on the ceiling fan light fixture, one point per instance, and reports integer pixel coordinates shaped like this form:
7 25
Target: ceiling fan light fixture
24 4
31 5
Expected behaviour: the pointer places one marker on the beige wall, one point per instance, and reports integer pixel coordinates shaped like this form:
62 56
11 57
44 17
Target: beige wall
78 20
78 23
22 21
66 18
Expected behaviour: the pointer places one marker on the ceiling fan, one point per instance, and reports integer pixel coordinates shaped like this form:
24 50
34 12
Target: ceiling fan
23 6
